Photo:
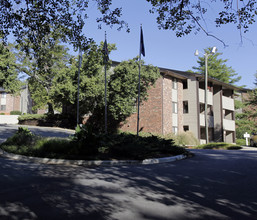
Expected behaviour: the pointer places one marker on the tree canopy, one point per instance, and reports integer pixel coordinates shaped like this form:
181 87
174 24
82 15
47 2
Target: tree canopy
35 18
185 16
123 87
9 69
43 66
217 68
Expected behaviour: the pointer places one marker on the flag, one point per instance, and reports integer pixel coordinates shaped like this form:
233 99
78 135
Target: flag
106 52
142 46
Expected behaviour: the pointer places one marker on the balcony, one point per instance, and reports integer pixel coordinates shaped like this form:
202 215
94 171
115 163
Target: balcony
229 125
228 103
210 121
202 96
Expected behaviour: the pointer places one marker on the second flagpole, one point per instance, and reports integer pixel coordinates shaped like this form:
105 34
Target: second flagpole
141 51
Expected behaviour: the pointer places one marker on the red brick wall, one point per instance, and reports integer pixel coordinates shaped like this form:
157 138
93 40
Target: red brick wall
12 104
167 105
150 112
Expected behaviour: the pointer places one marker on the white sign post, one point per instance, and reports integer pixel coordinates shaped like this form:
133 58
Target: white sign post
246 136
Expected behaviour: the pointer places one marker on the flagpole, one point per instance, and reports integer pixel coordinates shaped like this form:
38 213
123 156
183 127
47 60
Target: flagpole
141 51
105 91
80 59
138 99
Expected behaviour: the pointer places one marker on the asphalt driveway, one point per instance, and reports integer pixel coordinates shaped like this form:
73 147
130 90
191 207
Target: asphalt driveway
9 130
211 185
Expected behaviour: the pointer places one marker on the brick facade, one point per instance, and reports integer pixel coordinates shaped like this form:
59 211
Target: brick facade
156 112
12 104
150 112
167 108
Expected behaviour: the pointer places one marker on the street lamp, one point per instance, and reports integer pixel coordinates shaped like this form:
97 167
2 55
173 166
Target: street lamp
206 55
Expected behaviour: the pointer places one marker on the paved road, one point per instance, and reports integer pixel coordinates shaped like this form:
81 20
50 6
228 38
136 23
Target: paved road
8 130
211 185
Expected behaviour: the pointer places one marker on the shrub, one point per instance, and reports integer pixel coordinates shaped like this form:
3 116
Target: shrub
86 144
183 139
15 113
2 113
31 116
219 145
240 142
53 148
22 137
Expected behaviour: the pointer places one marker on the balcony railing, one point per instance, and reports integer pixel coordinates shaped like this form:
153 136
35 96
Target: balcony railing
210 121
228 103
202 96
229 125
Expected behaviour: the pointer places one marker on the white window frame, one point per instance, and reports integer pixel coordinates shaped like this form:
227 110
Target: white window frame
175 129
174 83
175 107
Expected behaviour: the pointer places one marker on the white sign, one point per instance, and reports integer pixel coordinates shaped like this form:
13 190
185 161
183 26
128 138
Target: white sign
246 136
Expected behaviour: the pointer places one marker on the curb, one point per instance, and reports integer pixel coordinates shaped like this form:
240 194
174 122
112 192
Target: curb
88 163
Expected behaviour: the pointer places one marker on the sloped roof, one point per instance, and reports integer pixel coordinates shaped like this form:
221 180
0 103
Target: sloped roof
200 77
185 75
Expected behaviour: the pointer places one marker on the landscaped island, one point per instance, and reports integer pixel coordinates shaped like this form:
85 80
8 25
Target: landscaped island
87 145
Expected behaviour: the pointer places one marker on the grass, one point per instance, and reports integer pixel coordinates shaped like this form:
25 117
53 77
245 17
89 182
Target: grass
219 146
85 145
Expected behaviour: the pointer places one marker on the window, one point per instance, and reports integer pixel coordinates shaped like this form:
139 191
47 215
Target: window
174 83
202 108
3 107
3 95
185 107
175 130
186 128
185 86
175 107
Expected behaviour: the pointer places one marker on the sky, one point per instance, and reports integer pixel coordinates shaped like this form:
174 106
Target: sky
164 49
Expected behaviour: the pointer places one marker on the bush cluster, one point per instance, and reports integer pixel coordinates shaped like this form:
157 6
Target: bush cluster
31 117
86 144
219 146
15 113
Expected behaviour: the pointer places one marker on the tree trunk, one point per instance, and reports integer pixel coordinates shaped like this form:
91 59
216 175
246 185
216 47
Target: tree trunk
50 108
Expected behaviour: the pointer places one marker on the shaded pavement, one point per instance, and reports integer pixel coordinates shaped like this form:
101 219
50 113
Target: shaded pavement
211 185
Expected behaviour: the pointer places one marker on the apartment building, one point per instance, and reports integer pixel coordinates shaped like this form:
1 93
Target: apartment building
177 103
20 102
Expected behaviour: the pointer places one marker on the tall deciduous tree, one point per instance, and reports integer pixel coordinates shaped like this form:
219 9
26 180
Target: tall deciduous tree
91 85
43 65
217 68
9 69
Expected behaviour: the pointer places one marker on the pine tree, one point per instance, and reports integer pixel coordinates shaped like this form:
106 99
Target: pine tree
217 68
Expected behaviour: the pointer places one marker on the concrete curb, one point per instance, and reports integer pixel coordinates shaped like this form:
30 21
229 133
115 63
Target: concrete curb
89 162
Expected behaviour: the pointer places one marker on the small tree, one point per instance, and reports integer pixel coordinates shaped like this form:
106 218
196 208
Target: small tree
123 93
123 88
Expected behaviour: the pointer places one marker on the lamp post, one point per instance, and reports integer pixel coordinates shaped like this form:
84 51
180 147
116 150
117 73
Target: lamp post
206 55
